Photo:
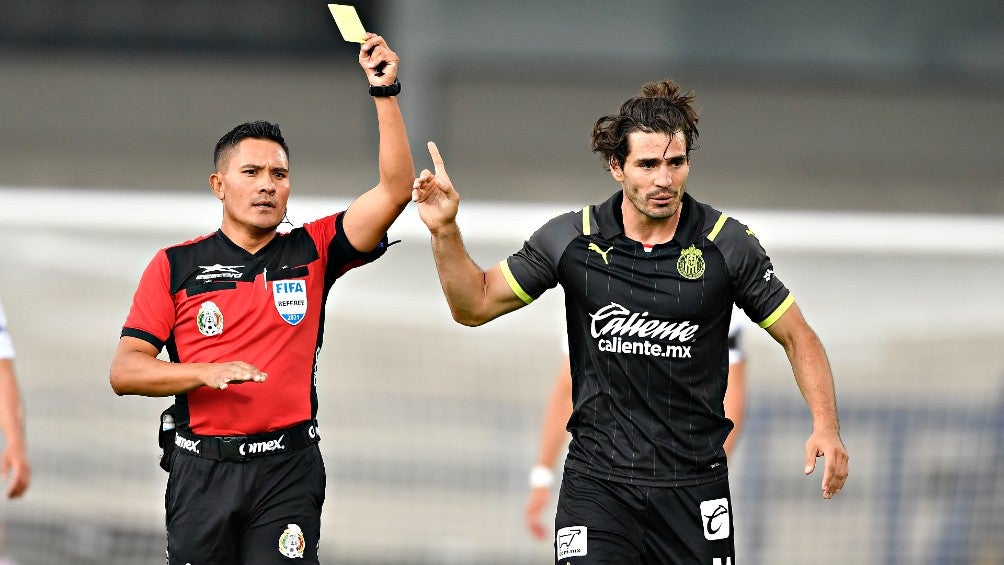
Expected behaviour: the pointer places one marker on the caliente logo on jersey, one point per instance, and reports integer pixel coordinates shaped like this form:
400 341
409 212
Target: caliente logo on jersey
619 330
290 298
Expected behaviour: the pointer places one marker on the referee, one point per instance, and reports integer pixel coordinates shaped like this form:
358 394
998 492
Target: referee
240 312
649 278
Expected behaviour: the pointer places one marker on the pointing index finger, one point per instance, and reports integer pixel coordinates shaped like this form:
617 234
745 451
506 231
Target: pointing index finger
437 159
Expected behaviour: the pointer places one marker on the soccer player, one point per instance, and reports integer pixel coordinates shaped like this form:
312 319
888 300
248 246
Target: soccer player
649 278
14 465
553 435
241 314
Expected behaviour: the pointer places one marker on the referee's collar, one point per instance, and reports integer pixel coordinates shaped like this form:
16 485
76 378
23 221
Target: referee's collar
610 221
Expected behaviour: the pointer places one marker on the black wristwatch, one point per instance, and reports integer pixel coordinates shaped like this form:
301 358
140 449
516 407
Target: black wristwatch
383 90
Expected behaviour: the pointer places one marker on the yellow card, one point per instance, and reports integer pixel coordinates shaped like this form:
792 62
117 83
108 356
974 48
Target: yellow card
348 22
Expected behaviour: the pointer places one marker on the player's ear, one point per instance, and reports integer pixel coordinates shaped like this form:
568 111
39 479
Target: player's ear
615 169
216 184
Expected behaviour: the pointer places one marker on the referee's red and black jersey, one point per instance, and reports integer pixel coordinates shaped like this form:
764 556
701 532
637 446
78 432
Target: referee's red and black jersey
210 301
648 335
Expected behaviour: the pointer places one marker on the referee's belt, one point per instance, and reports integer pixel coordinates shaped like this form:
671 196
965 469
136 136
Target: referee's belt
243 448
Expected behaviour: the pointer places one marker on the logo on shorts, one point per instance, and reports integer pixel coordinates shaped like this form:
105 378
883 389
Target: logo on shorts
260 447
715 515
691 263
291 542
209 319
290 299
187 444
570 541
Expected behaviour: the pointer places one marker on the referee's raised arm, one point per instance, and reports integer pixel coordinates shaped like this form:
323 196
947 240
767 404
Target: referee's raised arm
368 218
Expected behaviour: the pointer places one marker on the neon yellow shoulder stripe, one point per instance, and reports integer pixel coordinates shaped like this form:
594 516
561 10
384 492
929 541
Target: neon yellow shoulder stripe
718 227
585 221
778 311
516 289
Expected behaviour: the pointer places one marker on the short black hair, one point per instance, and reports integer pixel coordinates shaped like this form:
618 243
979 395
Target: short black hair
258 129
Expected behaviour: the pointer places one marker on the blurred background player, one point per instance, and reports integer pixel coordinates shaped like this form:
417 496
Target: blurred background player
14 461
553 434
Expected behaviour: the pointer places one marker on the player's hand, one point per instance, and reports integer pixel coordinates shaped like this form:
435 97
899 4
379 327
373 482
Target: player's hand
15 470
378 61
835 459
437 200
222 374
534 505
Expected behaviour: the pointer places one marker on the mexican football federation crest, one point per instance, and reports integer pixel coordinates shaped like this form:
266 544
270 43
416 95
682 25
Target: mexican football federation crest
209 319
291 542
691 263
290 299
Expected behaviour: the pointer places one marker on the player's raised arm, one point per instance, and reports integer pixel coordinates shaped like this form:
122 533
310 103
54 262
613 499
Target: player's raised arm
475 296
367 219
815 380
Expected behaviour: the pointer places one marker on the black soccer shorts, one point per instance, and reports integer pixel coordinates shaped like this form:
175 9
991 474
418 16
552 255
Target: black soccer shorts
265 511
607 522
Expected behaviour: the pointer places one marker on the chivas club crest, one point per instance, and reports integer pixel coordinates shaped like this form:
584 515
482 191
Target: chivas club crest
209 319
691 263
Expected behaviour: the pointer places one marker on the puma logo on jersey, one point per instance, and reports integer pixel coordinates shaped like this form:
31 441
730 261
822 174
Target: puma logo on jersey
596 248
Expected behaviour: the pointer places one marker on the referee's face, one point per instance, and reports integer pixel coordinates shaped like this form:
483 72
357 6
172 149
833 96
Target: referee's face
654 175
253 184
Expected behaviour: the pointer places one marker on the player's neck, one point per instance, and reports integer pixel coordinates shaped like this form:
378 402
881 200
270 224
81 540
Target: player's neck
248 238
651 231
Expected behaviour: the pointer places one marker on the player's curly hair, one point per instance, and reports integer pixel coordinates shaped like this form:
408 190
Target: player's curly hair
660 107
258 129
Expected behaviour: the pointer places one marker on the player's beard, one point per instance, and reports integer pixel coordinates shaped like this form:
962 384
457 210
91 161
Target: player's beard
642 202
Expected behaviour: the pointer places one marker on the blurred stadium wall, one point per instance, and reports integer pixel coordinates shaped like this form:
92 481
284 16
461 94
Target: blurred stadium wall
865 106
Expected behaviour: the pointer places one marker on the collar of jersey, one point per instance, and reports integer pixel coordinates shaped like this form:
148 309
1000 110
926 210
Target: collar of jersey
611 223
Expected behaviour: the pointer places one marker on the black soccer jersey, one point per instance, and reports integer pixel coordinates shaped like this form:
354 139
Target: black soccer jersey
648 334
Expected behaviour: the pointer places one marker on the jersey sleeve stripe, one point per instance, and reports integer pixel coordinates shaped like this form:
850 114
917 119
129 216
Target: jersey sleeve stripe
778 312
145 336
586 230
718 227
511 280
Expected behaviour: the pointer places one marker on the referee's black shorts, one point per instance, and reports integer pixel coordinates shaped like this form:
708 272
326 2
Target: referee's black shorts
607 522
263 511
